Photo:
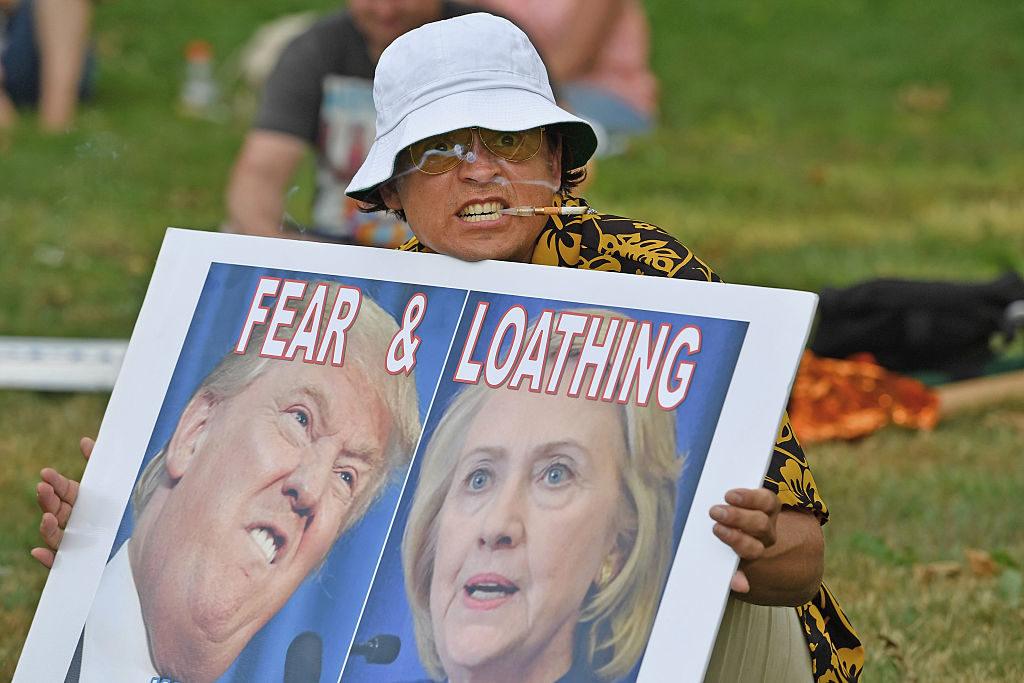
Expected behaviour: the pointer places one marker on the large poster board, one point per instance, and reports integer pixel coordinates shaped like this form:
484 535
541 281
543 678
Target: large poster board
329 463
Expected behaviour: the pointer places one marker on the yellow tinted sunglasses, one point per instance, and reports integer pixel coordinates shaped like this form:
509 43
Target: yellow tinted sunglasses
441 153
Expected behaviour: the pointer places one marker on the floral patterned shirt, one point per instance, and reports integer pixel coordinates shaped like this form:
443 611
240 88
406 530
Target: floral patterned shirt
597 241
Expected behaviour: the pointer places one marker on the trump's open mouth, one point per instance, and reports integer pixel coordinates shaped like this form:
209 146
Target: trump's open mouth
268 541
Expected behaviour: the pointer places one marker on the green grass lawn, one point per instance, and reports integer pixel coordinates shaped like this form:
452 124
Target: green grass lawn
803 145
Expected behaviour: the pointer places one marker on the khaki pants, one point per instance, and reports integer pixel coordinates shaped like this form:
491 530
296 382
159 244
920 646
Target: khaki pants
758 644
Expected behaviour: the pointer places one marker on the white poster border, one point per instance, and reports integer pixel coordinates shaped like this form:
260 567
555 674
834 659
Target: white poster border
779 322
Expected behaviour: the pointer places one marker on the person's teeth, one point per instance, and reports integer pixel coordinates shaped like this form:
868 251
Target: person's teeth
265 542
487 211
488 595
487 591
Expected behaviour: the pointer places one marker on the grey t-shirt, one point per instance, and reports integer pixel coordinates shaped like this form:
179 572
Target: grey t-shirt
321 91
292 94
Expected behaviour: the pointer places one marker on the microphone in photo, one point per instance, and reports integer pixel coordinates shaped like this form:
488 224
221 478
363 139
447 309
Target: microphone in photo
304 658
382 649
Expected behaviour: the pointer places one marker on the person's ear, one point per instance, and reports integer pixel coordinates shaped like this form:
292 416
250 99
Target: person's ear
610 568
188 435
389 195
556 161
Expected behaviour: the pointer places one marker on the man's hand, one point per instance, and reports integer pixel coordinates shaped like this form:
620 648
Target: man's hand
781 551
56 495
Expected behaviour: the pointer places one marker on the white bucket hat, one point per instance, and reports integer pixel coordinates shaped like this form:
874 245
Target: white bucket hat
473 70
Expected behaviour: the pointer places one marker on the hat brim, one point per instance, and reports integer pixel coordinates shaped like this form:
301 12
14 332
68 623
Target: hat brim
494 108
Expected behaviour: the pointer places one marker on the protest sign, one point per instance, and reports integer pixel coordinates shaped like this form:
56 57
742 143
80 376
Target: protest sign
327 463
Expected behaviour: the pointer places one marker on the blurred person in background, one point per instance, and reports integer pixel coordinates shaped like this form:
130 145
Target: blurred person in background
320 96
597 53
45 59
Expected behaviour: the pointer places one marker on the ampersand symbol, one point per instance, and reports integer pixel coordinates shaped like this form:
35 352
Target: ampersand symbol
402 352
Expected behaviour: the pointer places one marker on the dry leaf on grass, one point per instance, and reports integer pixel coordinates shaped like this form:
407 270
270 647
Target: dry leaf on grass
981 563
926 573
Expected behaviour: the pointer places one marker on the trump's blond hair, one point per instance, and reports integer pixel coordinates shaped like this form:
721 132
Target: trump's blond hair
367 342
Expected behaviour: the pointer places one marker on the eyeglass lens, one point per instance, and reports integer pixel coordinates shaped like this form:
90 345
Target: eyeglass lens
443 152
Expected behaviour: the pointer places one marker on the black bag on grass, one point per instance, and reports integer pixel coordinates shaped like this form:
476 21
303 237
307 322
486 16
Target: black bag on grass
910 326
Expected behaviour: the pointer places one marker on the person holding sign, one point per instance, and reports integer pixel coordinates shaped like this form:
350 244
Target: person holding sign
472 151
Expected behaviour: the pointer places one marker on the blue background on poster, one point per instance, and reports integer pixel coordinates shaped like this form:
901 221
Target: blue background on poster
387 610
329 601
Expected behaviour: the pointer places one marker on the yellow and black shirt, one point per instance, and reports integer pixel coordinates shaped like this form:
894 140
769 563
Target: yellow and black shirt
598 241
